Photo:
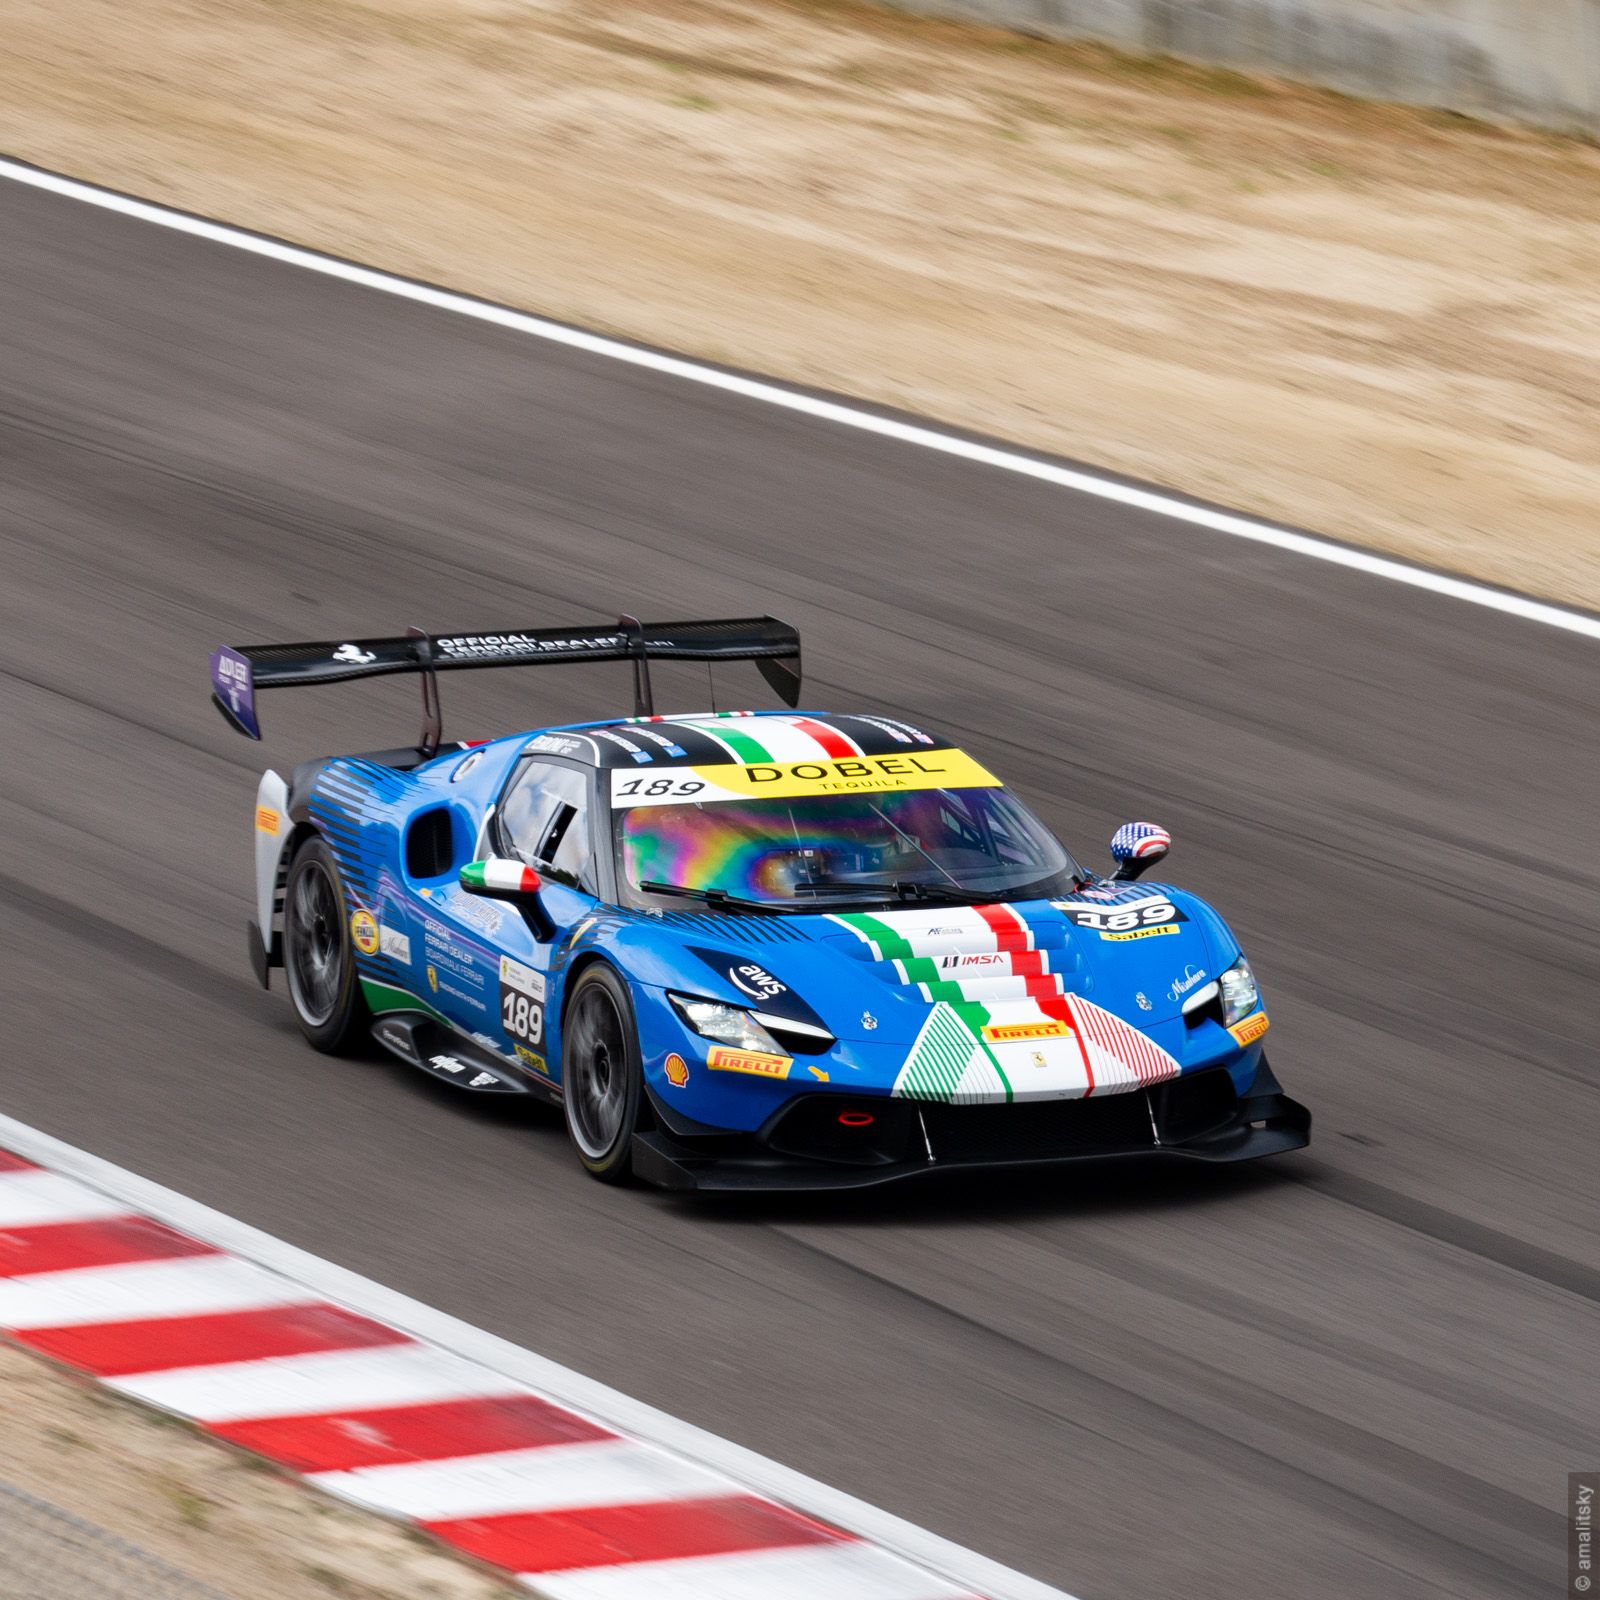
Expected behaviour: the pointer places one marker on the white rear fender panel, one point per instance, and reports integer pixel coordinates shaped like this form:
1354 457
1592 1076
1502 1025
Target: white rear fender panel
273 828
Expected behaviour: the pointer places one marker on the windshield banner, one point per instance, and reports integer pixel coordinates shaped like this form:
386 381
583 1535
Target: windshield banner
676 786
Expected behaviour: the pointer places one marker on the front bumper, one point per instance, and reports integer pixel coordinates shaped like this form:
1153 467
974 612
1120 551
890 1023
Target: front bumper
806 1146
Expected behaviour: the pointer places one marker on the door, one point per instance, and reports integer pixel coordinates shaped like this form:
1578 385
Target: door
498 971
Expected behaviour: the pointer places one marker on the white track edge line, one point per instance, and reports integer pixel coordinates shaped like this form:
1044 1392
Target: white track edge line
848 416
572 1389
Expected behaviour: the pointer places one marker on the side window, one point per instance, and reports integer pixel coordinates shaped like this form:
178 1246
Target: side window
545 820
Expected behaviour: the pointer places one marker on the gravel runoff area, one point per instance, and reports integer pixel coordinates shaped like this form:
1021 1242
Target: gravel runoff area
1381 324
218 1515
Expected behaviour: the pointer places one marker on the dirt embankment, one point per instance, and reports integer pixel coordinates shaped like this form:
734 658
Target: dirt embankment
1381 324
216 1514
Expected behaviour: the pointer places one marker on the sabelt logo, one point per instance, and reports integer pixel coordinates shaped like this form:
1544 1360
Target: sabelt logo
722 1059
1144 933
1011 1032
532 1058
1251 1029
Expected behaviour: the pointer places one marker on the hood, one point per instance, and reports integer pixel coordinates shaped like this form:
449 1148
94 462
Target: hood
1038 999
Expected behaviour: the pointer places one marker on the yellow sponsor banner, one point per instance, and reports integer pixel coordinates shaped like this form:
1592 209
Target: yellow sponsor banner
787 780
1251 1029
267 820
1010 1032
532 1058
724 1059
1143 933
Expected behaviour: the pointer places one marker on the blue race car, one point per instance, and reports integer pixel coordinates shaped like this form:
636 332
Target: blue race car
744 950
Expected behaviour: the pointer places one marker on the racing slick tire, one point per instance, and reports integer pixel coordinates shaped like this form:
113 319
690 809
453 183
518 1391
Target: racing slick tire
318 957
601 1078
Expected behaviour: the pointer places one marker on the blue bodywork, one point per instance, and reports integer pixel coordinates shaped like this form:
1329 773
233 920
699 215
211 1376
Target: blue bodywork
442 949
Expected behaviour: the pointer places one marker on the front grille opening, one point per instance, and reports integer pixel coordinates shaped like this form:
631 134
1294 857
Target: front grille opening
843 1129
1184 1109
1190 1107
1039 1129
851 1131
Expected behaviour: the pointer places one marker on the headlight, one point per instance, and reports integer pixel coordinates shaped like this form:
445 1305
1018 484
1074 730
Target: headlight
726 1024
1240 994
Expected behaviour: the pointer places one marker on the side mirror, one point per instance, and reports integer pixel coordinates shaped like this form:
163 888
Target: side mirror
1135 846
498 878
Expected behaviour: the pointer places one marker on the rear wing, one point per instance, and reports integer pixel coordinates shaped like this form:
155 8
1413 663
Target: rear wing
237 673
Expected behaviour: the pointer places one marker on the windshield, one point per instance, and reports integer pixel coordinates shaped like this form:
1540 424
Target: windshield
821 850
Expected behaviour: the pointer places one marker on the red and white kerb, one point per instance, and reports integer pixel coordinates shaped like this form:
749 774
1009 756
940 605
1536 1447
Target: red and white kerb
573 1509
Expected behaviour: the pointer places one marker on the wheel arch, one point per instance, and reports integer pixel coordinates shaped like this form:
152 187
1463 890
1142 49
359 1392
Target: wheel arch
580 965
569 982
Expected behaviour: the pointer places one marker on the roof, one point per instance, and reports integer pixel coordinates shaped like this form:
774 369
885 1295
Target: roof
712 738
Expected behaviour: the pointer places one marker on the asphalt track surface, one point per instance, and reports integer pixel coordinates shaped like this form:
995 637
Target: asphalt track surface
1363 1370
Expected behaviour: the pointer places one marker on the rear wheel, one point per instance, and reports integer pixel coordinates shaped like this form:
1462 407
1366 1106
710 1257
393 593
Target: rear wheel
318 957
600 1075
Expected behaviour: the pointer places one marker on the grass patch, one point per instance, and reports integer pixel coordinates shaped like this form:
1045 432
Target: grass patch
333 1582
194 1510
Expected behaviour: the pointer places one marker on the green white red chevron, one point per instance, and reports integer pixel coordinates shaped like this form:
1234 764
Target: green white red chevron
1002 1026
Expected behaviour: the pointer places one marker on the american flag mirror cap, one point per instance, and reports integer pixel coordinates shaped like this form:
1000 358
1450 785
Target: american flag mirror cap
1139 841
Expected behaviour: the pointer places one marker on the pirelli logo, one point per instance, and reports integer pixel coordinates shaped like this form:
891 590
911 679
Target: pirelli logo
1251 1029
757 1065
1016 1032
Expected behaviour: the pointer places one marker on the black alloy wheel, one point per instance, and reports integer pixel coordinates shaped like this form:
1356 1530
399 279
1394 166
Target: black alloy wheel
318 957
600 1075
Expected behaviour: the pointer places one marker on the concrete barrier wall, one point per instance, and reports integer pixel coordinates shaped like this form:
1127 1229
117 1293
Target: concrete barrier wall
1532 60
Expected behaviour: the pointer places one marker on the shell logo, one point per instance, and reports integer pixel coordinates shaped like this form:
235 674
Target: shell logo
364 930
677 1071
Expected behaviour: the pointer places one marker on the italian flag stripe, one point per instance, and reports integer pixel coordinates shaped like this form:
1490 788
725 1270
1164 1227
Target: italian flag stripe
889 945
976 1016
1060 1009
736 741
944 1055
833 742
1011 932
941 1058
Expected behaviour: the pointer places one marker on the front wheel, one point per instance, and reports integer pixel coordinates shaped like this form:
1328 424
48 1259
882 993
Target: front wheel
324 986
600 1075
